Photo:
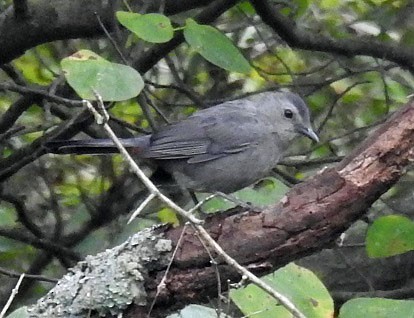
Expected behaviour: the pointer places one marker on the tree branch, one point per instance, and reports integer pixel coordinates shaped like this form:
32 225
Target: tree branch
302 39
20 9
40 243
12 114
59 20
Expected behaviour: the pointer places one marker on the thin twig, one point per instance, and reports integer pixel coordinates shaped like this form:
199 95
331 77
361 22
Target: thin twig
40 278
161 285
216 271
40 92
182 89
129 125
111 39
146 111
24 216
331 108
155 107
141 207
191 94
303 163
12 296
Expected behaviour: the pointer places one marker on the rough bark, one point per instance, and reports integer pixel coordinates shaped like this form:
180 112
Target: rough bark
108 282
309 218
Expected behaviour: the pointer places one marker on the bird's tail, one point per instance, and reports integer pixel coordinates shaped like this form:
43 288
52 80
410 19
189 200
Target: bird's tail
96 146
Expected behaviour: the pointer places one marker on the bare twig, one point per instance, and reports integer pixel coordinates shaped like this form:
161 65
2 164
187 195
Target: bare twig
191 94
161 285
141 207
111 39
40 243
22 214
182 89
155 107
12 296
40 278
146 111
299 38
15 110
39 92
303 163
331 108
129 125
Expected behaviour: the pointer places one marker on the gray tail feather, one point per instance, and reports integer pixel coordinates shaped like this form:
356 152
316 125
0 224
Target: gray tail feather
96 146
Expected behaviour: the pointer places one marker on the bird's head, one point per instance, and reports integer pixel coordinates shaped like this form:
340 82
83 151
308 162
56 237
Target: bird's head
290 116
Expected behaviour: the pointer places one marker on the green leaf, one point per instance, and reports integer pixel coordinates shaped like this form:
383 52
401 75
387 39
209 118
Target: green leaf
377 308
215 47
390 235
247 7
32 68
408 37
298 284
329 4
152 27
265 192
197 311
87 72
19 313
168 215
301 6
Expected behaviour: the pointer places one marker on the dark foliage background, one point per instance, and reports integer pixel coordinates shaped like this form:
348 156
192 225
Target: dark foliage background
353 62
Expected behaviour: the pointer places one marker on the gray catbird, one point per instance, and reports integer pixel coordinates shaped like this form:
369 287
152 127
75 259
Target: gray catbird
222 148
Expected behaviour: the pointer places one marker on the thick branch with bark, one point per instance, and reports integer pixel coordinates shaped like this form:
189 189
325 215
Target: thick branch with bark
47 21
309 218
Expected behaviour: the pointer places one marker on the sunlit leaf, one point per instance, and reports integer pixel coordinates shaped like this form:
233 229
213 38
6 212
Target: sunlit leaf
377 308
215 47
33 69
247 7
167 215
390 235
152 27
408 37
298 284
302 6
87 72
329 4
197 311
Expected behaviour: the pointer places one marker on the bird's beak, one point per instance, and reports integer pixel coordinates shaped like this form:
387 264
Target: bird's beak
308 132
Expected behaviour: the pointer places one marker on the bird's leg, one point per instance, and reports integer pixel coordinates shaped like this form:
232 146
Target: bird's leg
193 197
199 204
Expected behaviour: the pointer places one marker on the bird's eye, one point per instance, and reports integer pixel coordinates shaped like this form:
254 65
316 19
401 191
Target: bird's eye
288 113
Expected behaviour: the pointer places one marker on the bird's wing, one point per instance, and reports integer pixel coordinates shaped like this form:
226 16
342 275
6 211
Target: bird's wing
208 135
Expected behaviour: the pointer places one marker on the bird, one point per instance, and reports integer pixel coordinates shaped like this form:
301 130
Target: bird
223 148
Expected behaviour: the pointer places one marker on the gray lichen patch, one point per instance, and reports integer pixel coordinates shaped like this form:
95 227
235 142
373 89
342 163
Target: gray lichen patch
108 282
